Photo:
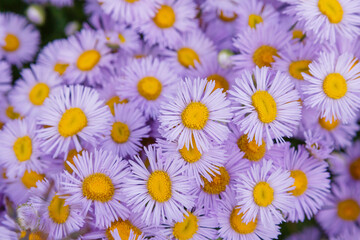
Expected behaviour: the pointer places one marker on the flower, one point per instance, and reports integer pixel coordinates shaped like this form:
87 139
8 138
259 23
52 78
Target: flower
341 212
96 184
21 39
33 89
263 192
56 218
146 84
88 57
259 47
265 103
74 113
172 19
333 88
128 129
19 148
5 76
312 183
329 19
233 226
159 193
198 111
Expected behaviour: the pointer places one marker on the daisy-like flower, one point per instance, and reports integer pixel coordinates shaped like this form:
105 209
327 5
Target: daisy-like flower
265 103
21 39
233 227
213 189
96 184
341 212
130 11
194 225
160 193
318 147
335 132
56 218
197 112
74 113
49 56
346 167
19 147
128 129
7 112
146 84
211 70
87 56
172 19
30 92
333 88
253 12
330 18
295 60
5 76
311 182
198 165
264 192
193 47
259 47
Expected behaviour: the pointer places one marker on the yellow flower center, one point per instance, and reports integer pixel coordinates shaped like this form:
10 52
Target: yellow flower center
220 82
165 17
300 182
11 114
150 88
264 56
98 187
335 86
12 43
36 236
115 100
254 20
159 186
121 38
23 148
355 169
120 132
327 125
263 194
298 34
187 228
60 68
238 225
190 155
88 60
298 67
124 228
131 1
187 57
72 122
348 210
58 212
253 152
265 106
225 18
70 157
29 179
195 115
332 9
39 93
218 183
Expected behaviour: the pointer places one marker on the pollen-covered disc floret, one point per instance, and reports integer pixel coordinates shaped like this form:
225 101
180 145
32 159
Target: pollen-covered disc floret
73 113
96 184
197 112
160 186
265 105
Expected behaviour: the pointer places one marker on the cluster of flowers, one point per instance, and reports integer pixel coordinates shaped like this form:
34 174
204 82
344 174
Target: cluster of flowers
172 119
